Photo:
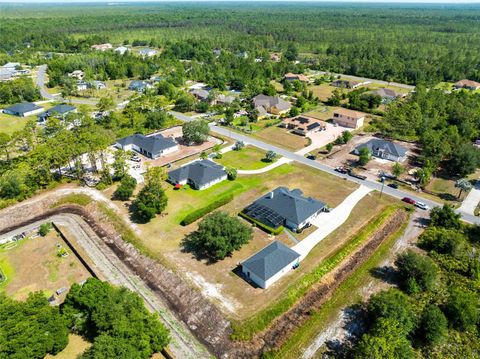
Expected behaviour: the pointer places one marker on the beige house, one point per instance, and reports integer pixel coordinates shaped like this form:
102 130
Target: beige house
270 105
348 118
467 84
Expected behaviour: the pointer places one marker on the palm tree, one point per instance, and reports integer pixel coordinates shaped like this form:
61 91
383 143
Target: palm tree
464 186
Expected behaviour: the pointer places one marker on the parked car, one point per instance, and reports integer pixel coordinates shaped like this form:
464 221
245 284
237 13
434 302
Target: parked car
409 200
393 185
341 170
422 205
135 159
312 157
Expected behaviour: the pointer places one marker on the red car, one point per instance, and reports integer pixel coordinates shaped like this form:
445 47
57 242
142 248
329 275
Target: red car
408 200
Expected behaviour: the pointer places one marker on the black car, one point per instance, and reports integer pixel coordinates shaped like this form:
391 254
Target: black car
393 185
312 157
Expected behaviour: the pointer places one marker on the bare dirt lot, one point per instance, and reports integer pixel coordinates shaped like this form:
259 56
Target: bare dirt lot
35 266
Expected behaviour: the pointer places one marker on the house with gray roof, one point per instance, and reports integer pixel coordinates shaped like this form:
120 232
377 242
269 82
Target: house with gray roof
384 149
59 111
388 95
282 207
139 86
198 174
201 94
270 104
150 146
270 264
23 109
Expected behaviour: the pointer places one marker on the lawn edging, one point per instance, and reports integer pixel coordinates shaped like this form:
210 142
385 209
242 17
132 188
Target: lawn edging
247 329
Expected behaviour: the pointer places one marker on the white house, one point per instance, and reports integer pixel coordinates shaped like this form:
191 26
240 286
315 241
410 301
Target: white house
149 146
348 118
198 174
23 109
270 264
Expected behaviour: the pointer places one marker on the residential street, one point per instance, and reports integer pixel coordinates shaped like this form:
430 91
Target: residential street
397 193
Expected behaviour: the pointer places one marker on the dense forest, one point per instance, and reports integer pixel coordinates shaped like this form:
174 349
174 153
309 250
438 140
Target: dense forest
404 43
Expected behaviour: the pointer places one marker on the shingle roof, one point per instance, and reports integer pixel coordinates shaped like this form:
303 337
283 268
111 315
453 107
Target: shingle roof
270 101
198 172
200 93
349 113
283 205
384 92
387 146
60 109
270 260
153 144
23 107
469 83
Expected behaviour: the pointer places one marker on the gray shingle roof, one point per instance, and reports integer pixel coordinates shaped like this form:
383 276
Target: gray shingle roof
270 260
60 109
282 205
23 107
198 172
153 144
270 101
389 147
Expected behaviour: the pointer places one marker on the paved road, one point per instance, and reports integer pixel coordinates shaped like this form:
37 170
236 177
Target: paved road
397 193
40 82
183 344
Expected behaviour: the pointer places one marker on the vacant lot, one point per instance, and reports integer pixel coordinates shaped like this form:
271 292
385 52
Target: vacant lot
323 91
249 158
51 272
282 138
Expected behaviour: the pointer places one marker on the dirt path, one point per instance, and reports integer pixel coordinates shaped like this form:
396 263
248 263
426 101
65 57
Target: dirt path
342 327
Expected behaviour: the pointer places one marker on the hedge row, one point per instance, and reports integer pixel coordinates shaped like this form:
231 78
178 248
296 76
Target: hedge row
193 216
266 228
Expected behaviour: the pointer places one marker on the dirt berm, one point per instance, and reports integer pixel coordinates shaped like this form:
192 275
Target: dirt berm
202 317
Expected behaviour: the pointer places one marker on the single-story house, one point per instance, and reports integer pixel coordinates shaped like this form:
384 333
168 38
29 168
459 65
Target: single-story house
198 174
388 95
348 118
150 146
59 110
270 264
293 77
467 84
23 109
147 52
121 50
7 74
11 65
275 57
225 99
349 84
77 74
200 94
139 86
303 125
101 47
82 85
270 104
98 85
282 207
384 149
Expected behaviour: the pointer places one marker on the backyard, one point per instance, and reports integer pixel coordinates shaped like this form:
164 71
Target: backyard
10 124
52 271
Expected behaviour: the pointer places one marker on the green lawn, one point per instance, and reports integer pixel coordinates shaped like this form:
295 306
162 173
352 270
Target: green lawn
10 124
249 158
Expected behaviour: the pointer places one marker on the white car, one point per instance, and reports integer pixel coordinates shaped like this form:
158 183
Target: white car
422 205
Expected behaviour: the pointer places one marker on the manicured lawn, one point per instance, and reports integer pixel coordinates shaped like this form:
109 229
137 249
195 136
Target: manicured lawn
282 138
10 124
324 113
323 91
249 158
76 346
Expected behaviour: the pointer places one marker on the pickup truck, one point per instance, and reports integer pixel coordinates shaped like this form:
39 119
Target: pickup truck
352 173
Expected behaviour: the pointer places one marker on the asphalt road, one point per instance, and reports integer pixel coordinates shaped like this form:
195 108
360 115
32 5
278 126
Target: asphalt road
301 159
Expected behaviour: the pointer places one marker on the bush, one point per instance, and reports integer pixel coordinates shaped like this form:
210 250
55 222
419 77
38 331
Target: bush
151 201
217 236
445 217
462 309
44 229
274 231
193 216
433 326
126 188
417 272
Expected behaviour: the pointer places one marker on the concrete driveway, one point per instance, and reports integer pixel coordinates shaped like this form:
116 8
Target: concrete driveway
328 222
322 138
472 200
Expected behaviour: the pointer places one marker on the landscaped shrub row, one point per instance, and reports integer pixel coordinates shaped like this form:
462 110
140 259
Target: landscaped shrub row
266 228
193 216
246 329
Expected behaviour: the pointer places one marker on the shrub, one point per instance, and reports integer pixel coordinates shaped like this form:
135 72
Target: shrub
193 216
126 188
44 229
274 231
417 272
433 326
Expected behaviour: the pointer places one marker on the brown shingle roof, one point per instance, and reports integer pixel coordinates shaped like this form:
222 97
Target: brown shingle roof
349 113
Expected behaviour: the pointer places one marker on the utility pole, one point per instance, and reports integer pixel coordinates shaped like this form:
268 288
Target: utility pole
383 184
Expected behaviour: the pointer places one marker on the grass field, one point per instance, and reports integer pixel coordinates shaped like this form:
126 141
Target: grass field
347 294
51 271
76 346
282 138
249 158
10 124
